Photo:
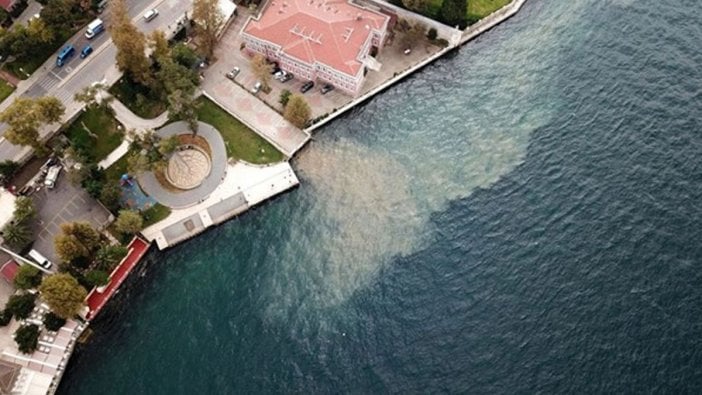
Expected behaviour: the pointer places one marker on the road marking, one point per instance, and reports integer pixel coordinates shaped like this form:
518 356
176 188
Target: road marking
55 75
69 69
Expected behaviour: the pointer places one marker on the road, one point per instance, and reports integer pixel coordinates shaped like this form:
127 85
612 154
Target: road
64 82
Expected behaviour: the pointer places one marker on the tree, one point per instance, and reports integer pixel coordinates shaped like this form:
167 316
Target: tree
5 317
159 45
8 169
25 116
39 33
184 55
419 6
27 277
111 195
24 209
262 70
63 294
129 222
130 43
94 95
53 322
107 257
453 13
284 97
151 152
183 105
77 239
16 235
413 33
176 77
27 338
97 278
432 34
297 111
21 305
208 22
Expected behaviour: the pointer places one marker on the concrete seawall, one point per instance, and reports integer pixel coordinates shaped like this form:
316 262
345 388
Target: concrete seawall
467 35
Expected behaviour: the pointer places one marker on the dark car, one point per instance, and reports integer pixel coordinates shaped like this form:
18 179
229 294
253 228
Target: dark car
307 86
274 67
87 50
286 77
327 88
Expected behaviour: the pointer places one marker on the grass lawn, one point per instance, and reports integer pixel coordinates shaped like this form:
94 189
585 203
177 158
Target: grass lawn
242 143
154 214
114 172
5 90
101 136
137 98
478 9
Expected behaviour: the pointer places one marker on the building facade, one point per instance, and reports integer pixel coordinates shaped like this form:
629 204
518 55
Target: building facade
323 40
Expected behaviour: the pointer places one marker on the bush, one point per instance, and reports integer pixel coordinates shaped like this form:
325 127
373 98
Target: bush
5 317
8 169
432 34
27 277
442 42
53 322
27 338
97 278
284 97
21 305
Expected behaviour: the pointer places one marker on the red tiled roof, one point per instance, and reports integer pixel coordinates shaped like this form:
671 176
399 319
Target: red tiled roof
335 30
7 4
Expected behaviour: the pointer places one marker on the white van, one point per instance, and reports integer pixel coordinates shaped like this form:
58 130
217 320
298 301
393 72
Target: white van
52 175
40 259
94 28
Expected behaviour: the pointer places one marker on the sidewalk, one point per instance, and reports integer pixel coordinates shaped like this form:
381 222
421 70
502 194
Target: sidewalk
133 121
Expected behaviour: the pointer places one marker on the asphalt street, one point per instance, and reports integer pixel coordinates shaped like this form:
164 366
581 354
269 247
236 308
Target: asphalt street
64 82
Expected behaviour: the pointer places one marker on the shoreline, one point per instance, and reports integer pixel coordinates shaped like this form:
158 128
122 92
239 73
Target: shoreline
285 178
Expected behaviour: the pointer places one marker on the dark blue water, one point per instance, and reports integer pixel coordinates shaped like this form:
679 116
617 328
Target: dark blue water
523 216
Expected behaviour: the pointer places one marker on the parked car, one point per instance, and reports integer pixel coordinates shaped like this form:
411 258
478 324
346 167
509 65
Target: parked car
232 74
87 50
256 88
52 176
286 77
307 86
150 14
327 88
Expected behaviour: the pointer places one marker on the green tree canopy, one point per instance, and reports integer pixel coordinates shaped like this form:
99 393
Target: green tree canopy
63 294
21 305
77 239
27 338
53 322
25 116
27 277
129 222
17 235
453 13
24 209
109 256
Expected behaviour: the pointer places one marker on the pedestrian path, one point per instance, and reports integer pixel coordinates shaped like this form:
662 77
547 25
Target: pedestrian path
133 121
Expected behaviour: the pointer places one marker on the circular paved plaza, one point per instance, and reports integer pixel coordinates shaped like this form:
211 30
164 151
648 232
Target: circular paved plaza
193 172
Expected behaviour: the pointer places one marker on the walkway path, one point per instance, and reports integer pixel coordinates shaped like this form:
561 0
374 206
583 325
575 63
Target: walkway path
133 121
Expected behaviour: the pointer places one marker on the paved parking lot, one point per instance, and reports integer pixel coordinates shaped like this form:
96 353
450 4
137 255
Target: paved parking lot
64 203
229 55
